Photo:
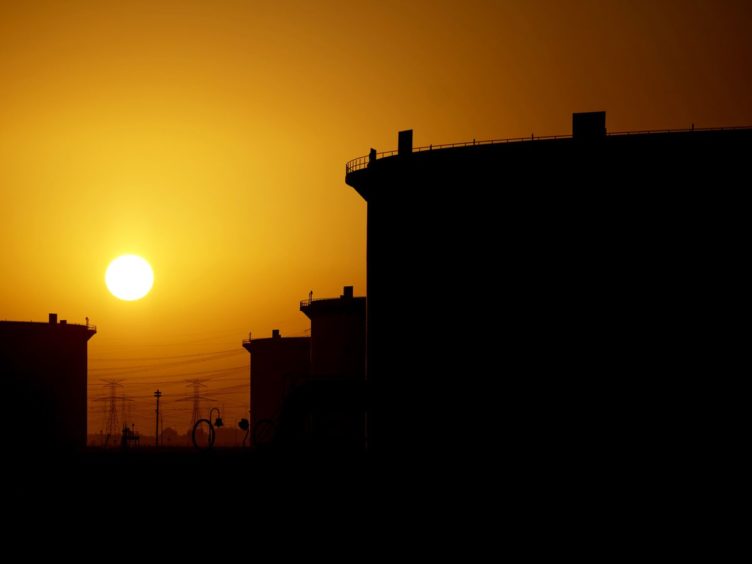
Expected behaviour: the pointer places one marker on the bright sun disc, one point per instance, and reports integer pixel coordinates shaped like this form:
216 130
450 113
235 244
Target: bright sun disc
129 277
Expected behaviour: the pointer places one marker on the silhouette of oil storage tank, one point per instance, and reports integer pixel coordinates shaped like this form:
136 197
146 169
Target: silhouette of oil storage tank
338 335
278 364
44 374
523 292
309 392
328 412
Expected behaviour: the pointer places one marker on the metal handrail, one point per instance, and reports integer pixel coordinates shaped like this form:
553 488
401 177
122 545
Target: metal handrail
362 162
309 301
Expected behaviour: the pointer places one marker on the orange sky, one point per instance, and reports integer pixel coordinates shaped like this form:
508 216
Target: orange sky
211 138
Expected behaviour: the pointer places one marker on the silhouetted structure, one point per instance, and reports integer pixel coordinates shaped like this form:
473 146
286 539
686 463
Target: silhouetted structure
523 293
278 364
328 411
44 372
338 335
311 389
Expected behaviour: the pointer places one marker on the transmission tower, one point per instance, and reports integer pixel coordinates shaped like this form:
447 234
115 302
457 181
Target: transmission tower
111 425
196 384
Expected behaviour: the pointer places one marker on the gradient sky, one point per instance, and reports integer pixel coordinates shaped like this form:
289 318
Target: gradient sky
211 138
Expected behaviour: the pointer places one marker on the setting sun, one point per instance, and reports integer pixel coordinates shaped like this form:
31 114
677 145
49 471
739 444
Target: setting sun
129 277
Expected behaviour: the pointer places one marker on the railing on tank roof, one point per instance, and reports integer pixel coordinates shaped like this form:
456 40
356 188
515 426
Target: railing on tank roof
362 162
308 301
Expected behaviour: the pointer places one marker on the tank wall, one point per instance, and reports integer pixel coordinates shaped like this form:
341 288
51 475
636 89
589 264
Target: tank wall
44 372
338 343
277 366
518 295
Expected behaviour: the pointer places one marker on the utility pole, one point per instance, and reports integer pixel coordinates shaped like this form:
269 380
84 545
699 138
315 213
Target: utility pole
157 395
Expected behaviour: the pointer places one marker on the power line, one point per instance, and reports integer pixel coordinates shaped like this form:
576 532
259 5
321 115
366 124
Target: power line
169 357
143 367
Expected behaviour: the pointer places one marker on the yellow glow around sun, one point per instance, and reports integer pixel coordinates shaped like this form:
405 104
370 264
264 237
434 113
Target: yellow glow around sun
129 277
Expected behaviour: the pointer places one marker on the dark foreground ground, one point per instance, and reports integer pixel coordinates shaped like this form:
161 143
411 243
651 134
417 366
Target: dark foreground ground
448 505
226 497
221 475
183 483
